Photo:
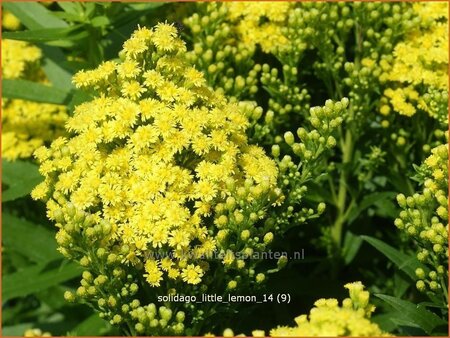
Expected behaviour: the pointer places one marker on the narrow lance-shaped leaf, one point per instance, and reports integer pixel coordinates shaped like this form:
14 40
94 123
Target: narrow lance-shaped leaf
60 77
33 15
49 34
413 313
32 91
37 278
93 325
407 264
31 240
20 177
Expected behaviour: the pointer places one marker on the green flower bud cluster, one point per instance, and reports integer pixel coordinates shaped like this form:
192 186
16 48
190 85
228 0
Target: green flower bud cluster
424 218
287 99
245 232
435 102
324 120
294 176
315 26
382 24
261 125
114 291
376 28
369 163
227 63
379 27
151 320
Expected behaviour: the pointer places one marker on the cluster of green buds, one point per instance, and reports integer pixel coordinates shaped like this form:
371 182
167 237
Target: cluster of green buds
287 102
435 102
424 218
308 24
112 287
378 27
245 233
260 123
305 159
227 63
382 24
368 164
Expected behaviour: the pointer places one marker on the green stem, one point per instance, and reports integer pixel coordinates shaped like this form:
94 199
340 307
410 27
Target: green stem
347 151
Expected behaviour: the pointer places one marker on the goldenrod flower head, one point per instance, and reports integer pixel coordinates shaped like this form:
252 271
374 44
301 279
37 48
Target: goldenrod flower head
260 23
327 318
420 63
152 156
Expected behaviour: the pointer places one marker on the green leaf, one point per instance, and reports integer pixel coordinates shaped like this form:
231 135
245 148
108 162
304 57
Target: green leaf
387 208
37 278
53 297
48 34
78 98
368 201
401 284
20 177
407 264
406 327
100 21
352 243
146 6
32 91
413 314
33 15
384 321
54 58
92 326
73 8
31 240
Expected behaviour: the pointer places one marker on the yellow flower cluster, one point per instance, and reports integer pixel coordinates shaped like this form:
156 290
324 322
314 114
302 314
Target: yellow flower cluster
425 218
329 319
260 22
421 60
26 125
10 21
152 156
20 60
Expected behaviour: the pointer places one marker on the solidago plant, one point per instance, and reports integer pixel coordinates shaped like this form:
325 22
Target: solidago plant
194 150
156 175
